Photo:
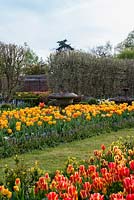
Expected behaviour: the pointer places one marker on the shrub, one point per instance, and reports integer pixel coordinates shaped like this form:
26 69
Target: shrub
32 98
92 101
6 106
89 100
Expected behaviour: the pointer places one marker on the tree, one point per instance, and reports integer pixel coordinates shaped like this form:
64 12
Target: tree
33 64
125 49
128 43
63 46
126 54
102 50
11 65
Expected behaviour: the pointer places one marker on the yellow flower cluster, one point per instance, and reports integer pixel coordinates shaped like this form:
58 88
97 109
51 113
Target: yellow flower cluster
38 117
4 192
119 157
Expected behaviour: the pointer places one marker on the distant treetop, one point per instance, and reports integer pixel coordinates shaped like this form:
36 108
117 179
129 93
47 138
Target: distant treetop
128 43
63 46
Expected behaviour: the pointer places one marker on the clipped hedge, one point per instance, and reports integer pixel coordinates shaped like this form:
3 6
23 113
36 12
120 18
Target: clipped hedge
84 74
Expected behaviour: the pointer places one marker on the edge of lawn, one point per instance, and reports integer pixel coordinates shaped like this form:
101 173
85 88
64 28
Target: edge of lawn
54 158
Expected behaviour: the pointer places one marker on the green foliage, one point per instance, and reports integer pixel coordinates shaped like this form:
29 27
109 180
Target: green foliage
125 143
31 98
6 106
28 176
52 102
25 95
128 43
31 102
92 101
33 64
126 54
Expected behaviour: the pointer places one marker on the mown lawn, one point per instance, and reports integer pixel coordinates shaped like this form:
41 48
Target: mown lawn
51 159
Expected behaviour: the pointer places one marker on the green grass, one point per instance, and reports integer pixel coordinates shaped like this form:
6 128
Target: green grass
51 159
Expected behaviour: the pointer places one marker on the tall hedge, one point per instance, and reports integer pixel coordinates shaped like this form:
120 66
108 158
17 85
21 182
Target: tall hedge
82 73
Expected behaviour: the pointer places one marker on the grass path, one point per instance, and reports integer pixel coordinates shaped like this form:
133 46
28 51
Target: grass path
51 159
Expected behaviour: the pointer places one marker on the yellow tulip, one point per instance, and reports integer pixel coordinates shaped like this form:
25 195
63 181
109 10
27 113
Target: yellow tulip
50 122
39 123
18 128
9 130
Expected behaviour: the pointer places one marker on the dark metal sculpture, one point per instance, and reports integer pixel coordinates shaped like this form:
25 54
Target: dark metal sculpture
63 46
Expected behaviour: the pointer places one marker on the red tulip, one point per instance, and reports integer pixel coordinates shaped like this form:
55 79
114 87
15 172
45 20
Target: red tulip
96 196
52 196
41 104
103 147
132 165
116 197
130 197
83 194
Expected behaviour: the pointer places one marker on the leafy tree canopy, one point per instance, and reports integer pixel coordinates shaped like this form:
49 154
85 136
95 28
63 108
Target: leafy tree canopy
126 54
128 43
125 48
33 64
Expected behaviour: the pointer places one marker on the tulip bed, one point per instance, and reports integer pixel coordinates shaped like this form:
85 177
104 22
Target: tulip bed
107 175
23 130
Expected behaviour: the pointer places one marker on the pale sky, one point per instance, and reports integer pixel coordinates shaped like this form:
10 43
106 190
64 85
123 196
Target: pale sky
84 23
